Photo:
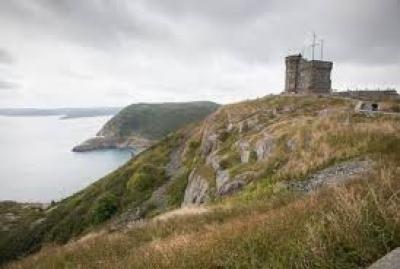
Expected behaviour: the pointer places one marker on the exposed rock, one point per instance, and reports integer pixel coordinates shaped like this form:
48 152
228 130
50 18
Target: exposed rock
226 186
245 176
231 187
101 142
196 190
332 175
264 147
96 143
130 216
244 150
175 162
222 178
243 127
291 144
252 122
389 261
230 127
173 171
248 124
209 144
214 161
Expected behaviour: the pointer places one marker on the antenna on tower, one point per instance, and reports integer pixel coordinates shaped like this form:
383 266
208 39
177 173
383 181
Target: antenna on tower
313 45
322 48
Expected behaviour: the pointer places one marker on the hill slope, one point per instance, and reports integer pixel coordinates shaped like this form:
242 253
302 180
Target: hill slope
264 168
139 125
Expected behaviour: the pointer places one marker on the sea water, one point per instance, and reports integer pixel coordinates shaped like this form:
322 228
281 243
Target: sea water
36 161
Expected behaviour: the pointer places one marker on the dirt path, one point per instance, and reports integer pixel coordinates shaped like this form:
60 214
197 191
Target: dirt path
185 211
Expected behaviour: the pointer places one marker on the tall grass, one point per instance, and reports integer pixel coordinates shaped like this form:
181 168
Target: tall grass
342 227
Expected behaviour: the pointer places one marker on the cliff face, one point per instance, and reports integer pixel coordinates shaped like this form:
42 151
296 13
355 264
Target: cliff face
138 126
270 137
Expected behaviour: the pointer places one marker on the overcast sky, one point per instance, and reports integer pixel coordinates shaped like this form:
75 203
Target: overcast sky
115 52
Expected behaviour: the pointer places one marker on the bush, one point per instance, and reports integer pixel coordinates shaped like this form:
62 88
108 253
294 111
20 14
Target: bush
146 178
106 206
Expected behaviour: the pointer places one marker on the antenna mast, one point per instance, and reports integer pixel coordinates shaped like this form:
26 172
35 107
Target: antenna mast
322 49
313 45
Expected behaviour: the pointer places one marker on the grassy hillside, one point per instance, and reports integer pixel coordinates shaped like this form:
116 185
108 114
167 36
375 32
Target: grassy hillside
154 121
242 162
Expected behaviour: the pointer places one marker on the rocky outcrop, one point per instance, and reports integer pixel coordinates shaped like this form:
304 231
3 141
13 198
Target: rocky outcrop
196 190
222 179
389 261
231 187
332 175
264 147
244 150
209 144
101 142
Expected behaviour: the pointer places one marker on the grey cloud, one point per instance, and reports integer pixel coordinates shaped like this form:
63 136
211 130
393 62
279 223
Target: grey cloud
361 31
97 23
6 57
231 11
164 46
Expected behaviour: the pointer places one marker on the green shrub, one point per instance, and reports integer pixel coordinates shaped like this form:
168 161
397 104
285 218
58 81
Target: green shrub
106 206
146 178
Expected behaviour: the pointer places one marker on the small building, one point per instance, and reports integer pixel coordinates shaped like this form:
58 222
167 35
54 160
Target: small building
307 76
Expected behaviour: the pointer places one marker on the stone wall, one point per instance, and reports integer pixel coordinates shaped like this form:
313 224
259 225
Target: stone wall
304 76
369 95
292 73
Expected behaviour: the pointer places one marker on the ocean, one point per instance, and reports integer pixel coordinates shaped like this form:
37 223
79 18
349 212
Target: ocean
36 161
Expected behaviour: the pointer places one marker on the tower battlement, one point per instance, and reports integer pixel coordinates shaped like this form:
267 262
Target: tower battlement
305 77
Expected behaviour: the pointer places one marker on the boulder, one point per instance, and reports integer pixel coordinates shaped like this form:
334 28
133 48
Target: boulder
389 261
244 150
231 187
209 144
196 190
264 147
214 161
222 178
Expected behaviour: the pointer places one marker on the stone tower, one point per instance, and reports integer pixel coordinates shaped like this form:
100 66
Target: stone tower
307 77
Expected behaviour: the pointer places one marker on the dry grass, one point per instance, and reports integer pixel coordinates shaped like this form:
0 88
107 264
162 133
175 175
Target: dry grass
344 227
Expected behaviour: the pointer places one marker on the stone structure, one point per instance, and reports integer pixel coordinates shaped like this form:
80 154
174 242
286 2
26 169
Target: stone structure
376 95
307 77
